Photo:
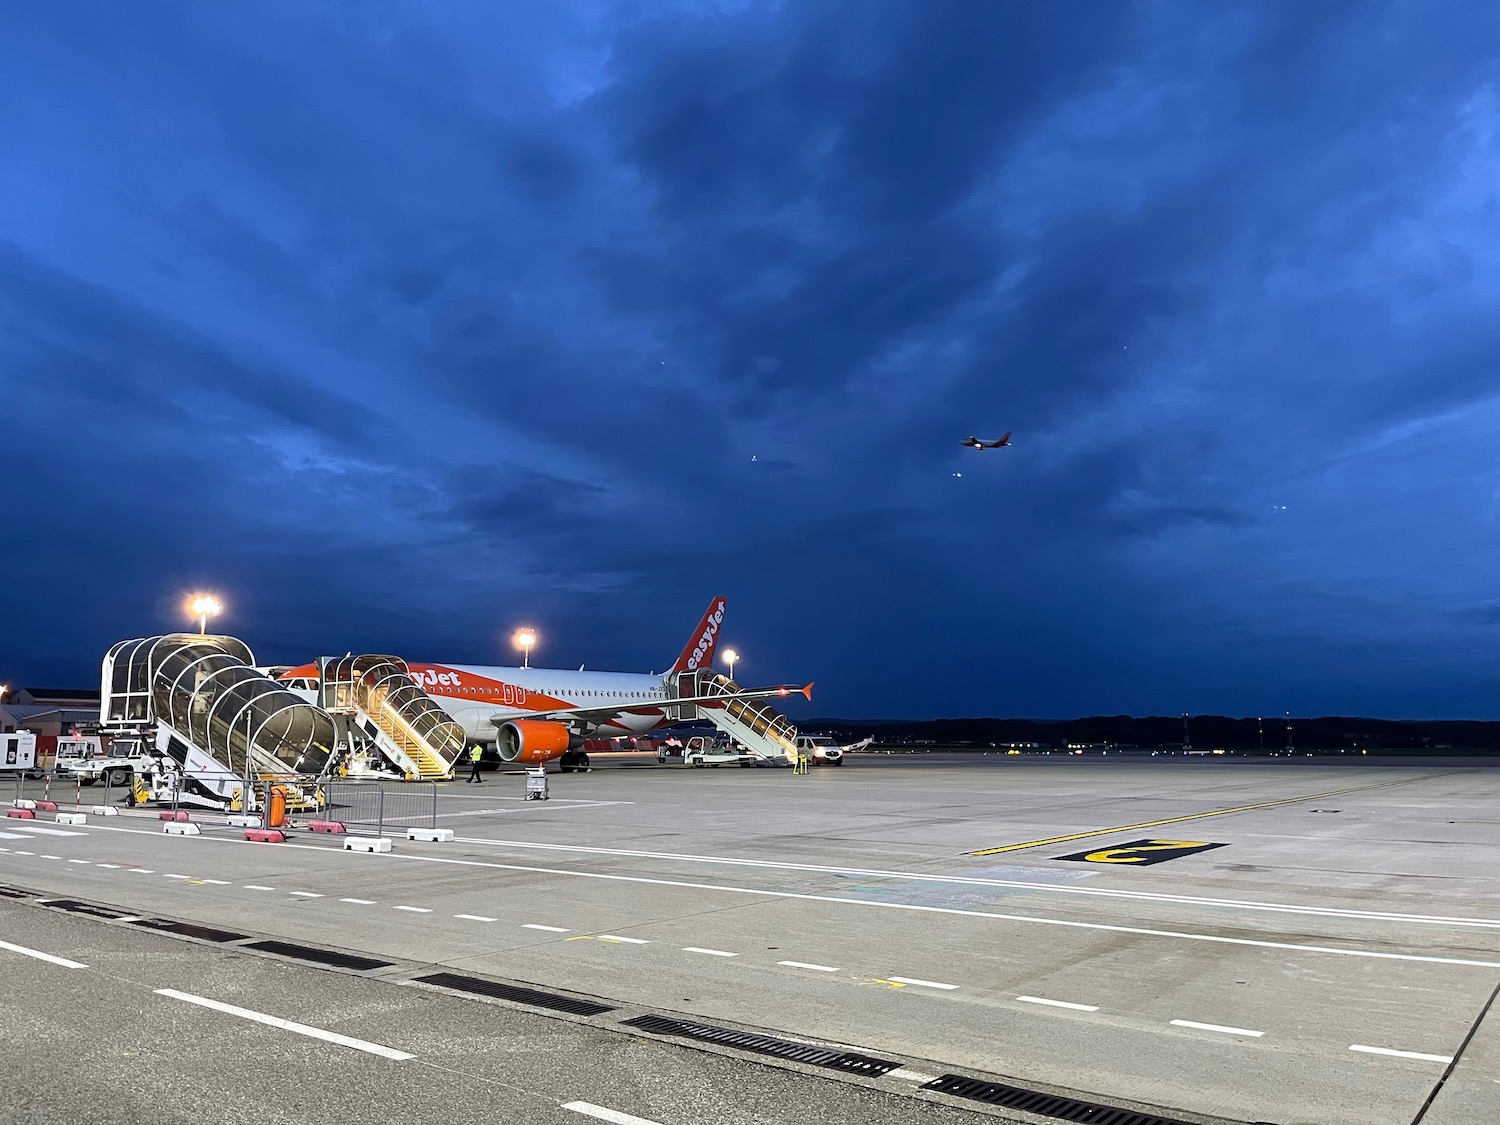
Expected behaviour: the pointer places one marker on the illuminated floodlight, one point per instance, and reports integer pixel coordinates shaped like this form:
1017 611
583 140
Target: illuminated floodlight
204 606
524 639
730 656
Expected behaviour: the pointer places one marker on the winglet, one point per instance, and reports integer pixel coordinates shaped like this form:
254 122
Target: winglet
807 691
699 651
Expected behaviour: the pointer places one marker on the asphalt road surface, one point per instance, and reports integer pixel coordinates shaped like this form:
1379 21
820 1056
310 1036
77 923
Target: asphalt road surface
1331 960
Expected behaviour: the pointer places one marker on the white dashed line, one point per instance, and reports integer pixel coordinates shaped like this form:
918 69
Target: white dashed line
360 901
169 876
306 894
1218 1027
1058 1003
549 929
257 887
415 909
287 1025
923 983
708 952
23 853
82 861
40 956
216 882
49 857
1400 1054
111 866
602 1113
806 965
626 940
474 917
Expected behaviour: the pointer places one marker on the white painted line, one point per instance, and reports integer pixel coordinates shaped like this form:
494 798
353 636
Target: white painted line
1058 1003
217 882
911 1075
922 983
1401 1054
1219 1028
257 887
923 877
82 861
111 866
708 952
141 870
549 929
45 856
415 909
287 1025
951 911
19 852
40 956
128 918
12 836
360 901
306 894
806 965
474 917
626 940
604 1114
39 830
169 876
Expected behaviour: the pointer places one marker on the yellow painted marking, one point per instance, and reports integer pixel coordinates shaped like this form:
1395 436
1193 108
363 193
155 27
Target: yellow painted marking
891 983
1133 855
1190 816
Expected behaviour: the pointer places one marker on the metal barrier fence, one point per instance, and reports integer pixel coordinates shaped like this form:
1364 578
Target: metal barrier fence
369 807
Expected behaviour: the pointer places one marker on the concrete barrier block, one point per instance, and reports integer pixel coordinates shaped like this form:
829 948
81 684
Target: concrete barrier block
332 827
367 843
21 814
105 810
50 806
180 828
242 820
265 835
169 815
24 804
431 835
71 818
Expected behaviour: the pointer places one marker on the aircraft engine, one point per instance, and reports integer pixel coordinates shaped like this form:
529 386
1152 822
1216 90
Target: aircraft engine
533 741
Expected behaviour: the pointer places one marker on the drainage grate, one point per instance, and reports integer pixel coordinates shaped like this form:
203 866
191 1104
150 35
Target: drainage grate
519 995
187 929
84 908
847 1061
1046 1105
321 956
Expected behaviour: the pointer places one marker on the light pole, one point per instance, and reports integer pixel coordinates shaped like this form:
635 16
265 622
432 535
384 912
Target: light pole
730 656
524 639
204 607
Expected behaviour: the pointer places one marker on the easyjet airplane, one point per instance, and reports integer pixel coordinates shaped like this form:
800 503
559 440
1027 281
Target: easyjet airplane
534 715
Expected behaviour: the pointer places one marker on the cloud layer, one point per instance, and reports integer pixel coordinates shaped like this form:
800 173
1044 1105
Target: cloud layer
403 326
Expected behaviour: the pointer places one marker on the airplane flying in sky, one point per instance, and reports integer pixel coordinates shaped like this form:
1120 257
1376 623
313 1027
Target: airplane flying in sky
975 443
536 714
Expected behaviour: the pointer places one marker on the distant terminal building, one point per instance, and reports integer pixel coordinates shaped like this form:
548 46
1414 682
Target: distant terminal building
48 711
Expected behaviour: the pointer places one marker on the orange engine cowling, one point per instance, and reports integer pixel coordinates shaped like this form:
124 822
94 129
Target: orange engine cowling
532 741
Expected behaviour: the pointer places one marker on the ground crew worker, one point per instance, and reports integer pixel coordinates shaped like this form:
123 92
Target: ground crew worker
802 761
474 756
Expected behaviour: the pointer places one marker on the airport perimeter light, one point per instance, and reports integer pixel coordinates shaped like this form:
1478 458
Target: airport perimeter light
730 656
524 639
204 607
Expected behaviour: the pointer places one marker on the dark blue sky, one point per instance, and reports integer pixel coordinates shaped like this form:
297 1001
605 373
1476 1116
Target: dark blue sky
401 324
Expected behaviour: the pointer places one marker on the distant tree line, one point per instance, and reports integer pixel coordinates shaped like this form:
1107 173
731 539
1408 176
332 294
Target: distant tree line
1206 732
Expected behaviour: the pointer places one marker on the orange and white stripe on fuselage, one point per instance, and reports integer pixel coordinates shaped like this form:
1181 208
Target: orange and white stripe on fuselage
476 694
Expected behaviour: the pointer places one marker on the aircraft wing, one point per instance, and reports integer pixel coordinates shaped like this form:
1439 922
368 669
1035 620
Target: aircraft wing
606 710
